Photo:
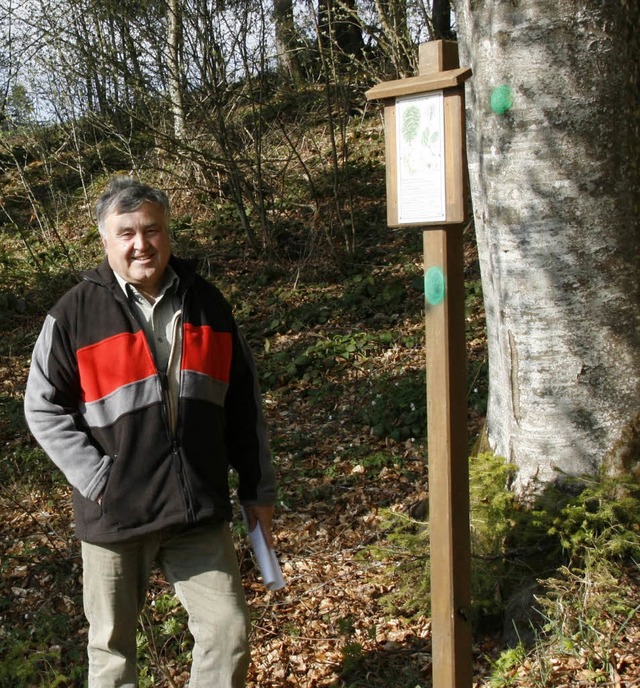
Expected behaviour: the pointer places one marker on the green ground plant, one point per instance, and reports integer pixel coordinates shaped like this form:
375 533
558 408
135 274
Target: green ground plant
493 516
584 607
572 546
163 640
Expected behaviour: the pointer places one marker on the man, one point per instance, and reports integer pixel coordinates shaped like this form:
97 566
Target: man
143 392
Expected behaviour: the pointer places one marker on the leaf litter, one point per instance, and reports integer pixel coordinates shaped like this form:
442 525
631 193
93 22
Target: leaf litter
328 627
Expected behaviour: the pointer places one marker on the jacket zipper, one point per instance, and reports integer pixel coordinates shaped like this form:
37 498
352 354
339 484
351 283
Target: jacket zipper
176 451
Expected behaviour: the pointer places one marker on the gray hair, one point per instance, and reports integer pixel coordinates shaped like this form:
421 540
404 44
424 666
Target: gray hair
126 195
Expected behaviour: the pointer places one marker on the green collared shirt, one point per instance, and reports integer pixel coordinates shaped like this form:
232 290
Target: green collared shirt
158 319
161 322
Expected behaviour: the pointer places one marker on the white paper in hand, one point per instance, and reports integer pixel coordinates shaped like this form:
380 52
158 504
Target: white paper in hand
266 558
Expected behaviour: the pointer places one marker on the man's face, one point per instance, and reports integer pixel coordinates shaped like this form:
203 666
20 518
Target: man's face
138 247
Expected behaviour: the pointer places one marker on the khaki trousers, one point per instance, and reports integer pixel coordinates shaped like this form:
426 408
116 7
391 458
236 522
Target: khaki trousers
201 563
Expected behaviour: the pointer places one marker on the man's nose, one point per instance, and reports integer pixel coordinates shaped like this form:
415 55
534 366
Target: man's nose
140 241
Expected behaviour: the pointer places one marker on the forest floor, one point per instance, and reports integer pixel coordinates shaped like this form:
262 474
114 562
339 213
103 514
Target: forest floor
336 476
341 356
335 624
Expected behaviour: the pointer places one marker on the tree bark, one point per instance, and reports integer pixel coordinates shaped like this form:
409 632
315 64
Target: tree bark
441 12
286 39
338 24
553 150
174 36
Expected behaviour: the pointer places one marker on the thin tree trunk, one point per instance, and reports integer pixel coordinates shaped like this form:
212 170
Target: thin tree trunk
286 39
441 12
174 25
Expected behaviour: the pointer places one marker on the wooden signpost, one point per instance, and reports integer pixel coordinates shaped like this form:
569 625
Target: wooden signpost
426 162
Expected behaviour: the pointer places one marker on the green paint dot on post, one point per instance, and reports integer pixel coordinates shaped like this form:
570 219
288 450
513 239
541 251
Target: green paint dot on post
434 286
502 99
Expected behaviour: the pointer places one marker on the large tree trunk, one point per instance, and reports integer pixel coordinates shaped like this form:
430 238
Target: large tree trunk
553 151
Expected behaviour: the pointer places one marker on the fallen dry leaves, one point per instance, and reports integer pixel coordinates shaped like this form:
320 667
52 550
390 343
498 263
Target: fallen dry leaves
328 628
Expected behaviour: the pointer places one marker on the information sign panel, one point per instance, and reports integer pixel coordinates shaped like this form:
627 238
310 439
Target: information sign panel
421 189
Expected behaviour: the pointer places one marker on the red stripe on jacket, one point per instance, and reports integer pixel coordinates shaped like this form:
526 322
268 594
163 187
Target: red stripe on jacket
124 358
113 363
207 351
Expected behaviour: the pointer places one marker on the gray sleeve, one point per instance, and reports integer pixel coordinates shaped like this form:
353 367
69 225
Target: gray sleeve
53 420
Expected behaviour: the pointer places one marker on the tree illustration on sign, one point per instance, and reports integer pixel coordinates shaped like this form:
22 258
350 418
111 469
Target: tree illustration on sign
410 123
421 139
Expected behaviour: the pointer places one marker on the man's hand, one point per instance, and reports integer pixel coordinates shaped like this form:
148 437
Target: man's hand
264 516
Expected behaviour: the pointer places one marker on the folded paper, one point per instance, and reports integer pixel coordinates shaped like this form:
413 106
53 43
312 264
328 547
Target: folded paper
266 558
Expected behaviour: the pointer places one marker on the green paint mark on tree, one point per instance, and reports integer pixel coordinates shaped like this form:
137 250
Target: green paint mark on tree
502 99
